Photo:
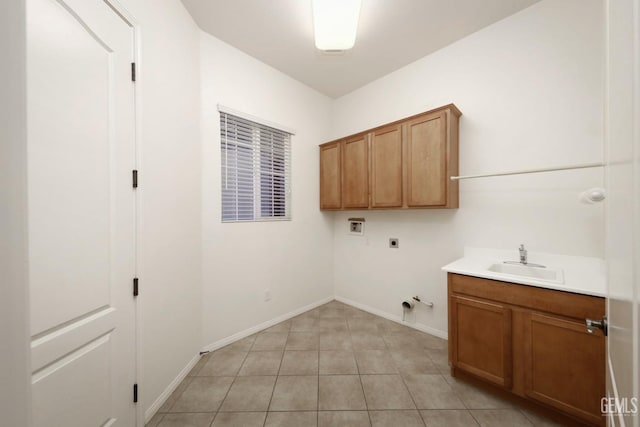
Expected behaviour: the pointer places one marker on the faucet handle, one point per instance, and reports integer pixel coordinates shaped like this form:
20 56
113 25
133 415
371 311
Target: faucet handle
523 254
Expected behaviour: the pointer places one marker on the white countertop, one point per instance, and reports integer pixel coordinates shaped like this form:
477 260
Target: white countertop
582 275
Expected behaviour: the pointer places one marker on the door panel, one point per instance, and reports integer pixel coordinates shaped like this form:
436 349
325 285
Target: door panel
386 167
78 378
70 158
557 353
81 150
330 176
355 173
71 337
622 207
481 343
426 164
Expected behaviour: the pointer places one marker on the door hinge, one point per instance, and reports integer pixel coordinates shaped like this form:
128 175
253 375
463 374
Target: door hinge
133 71
135 178
135 393
135 286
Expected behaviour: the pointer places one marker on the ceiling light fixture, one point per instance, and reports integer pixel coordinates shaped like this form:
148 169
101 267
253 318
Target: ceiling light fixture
335 23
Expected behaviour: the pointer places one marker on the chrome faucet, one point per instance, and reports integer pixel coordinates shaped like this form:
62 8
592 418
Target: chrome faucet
523 254
523 259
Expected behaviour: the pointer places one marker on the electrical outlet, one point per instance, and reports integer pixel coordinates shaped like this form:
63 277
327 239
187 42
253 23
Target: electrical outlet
267 295
394 243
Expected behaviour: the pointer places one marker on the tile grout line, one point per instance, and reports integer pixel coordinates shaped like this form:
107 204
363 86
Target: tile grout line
318 388
366 404
412 398
527 417
232 382
404 382
181 393
318 385
160 420
273 390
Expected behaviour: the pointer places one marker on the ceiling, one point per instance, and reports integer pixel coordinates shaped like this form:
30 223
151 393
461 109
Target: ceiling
391 34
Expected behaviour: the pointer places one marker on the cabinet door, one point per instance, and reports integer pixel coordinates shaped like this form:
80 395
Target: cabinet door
426 160
355 172
480 334
386 167
564 366
330 167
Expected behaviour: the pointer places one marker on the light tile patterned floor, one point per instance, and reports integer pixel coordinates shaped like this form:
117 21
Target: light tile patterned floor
334 366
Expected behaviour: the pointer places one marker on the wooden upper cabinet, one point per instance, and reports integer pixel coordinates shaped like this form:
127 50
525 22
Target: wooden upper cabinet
427 160
386 167
405 164
330 176
355 172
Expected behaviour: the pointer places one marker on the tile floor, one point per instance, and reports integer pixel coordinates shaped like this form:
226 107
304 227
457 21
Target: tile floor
334 366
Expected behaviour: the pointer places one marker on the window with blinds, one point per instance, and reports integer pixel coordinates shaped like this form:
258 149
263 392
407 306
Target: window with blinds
256 164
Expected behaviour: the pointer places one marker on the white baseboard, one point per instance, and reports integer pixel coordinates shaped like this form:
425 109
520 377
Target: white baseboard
269 323
419 326
157 404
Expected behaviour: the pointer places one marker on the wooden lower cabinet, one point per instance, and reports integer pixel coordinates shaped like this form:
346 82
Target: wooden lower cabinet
531 343
564 365
481 342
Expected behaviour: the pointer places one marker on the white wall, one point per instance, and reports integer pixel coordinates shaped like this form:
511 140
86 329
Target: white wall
14 309
240 260
170 232
530 90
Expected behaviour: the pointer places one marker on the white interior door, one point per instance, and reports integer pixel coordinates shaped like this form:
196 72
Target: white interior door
623 209
81 207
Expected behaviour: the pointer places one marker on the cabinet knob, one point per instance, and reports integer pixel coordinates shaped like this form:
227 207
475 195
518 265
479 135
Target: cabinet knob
599 324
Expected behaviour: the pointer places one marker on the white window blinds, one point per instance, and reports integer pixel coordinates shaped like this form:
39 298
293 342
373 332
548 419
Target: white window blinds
256 165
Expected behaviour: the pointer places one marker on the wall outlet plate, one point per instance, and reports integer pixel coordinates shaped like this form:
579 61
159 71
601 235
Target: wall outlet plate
394 243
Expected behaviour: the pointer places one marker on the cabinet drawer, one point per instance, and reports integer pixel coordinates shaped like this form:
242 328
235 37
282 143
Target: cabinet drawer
567 304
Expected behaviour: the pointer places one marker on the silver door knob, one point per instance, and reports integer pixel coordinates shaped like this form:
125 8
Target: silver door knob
592 325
